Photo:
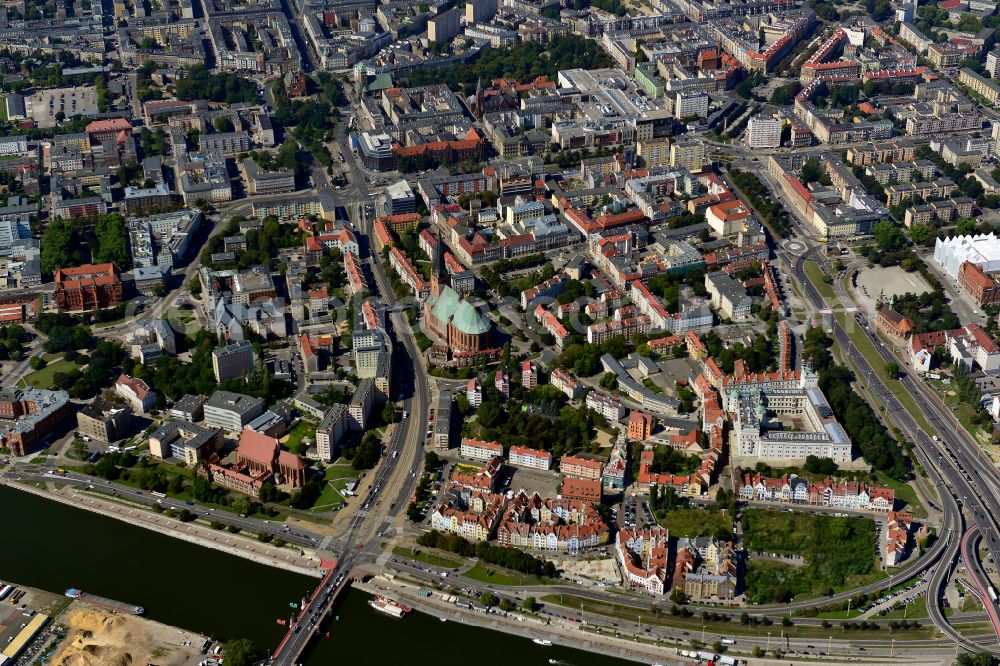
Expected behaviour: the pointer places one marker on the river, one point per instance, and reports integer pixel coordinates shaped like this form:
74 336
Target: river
53 546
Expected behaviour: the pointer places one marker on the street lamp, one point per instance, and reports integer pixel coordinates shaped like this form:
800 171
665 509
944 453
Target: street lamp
768 642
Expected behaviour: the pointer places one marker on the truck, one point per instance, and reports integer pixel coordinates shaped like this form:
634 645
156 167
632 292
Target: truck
993 593
728 641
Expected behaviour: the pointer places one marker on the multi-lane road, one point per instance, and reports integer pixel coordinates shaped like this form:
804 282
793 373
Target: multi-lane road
944 456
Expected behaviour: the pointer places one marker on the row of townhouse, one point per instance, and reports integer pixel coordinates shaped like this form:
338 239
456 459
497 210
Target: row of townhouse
408 273
566 382
471 514
792 489
551 524
643 555
356 282
551 324
551 288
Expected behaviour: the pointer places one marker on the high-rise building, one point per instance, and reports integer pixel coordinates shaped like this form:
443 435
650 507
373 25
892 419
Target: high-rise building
444 26
655 152
993 63
688 153
232 361
690 104
372 356
763 132
480 11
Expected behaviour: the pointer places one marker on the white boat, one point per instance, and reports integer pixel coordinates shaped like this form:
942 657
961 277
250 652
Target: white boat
389 607
542 641
443 619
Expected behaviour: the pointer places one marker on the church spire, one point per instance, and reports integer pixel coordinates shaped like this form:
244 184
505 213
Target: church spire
439 277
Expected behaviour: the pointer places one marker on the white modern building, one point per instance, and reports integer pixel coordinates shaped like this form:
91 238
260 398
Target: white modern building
763 132
982 250
522 456
477 449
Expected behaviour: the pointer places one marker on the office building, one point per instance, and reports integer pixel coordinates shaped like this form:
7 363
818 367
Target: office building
104 421
184 441
231 411
232 361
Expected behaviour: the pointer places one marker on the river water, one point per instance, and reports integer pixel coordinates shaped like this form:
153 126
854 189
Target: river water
53 546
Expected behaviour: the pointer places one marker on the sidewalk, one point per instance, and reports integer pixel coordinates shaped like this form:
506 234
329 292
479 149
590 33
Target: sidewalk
285 558
572 636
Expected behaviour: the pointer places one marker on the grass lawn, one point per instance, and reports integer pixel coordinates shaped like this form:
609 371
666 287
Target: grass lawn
43 378
427 558
825 290
914 610
837 553
696 522
838 615
336 477
486 573
867 350
631 614
963 411
301 430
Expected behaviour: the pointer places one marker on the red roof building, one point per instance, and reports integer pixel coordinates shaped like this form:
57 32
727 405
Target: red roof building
259 454
88 287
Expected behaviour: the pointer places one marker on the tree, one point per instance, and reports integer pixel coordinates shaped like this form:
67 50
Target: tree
818 465
223 124
506 605
367 452
888 236
431 461
57 247
892 369
488 599
922 234
241 505
389 413
812 170
107 468
268 491
202 489
240 652
609 381
529 604
977 659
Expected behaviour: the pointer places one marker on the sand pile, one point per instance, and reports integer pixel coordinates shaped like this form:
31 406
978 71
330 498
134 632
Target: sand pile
99 638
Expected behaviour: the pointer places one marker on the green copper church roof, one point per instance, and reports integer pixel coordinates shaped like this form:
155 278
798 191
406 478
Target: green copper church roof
444 306
469 320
